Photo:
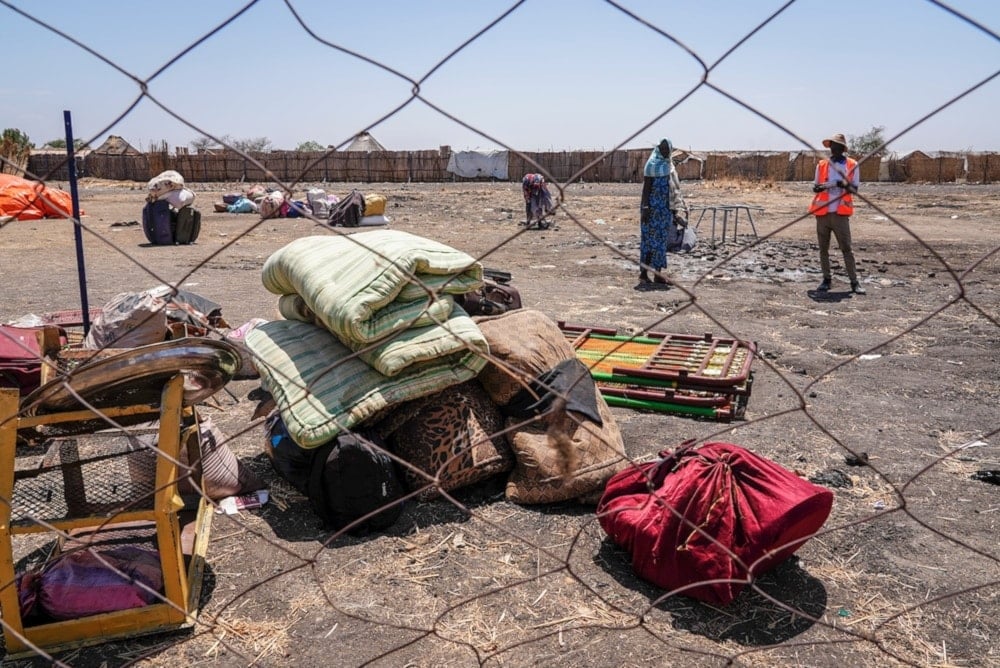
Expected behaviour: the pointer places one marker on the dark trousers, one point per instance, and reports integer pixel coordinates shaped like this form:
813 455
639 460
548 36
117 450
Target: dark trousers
840 226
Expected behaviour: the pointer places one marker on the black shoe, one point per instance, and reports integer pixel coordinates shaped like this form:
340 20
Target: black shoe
824 286
857 289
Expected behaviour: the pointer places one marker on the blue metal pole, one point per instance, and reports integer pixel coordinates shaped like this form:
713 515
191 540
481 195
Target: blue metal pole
81 268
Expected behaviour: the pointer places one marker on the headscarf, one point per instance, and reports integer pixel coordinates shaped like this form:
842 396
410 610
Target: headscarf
659 164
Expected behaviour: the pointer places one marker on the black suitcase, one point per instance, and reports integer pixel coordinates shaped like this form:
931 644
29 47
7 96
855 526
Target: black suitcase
187 226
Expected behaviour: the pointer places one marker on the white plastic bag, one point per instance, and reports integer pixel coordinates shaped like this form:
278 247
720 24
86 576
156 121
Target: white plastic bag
318 202
164 182
179 198
129 320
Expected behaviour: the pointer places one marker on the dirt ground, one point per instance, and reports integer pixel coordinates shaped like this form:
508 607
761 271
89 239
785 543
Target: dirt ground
907 571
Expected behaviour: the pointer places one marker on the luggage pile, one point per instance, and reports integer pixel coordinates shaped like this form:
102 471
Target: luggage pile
169 216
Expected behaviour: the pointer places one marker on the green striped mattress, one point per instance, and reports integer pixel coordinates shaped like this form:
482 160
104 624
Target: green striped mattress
321 388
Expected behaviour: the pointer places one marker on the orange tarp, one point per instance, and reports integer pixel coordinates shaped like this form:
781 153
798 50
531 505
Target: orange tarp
31 200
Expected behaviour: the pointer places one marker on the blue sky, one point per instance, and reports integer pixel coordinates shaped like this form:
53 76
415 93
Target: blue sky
551 75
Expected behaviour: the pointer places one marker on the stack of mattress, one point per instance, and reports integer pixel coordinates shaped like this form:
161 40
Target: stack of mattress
370 322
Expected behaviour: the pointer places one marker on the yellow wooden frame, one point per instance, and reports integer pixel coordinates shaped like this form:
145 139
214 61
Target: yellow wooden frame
181 590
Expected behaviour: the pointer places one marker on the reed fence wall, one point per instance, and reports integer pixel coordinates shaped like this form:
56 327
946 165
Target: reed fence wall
621 166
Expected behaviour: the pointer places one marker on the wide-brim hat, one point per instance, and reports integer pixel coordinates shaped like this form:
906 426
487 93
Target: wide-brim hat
835 139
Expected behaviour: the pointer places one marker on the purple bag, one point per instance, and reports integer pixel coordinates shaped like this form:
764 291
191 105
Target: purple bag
79 584
156 223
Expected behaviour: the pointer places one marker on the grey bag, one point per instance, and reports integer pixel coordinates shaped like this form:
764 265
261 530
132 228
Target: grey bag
681 239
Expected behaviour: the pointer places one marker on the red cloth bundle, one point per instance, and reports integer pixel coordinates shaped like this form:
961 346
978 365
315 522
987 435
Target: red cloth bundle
714 514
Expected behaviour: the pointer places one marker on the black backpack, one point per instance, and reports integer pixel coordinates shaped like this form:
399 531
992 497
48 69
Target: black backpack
348 211
350 478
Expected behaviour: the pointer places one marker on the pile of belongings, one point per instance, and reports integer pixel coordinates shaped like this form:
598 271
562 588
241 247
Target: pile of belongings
704 521
380 380
21 199
135 337
132 319
701 376
163 313
128 320
169 216
358 209
268 202
354 210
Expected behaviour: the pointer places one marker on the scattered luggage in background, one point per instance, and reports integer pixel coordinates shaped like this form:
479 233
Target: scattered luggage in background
169 216
348 211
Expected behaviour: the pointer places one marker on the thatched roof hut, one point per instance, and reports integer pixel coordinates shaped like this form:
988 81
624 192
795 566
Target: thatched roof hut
115 145
366 143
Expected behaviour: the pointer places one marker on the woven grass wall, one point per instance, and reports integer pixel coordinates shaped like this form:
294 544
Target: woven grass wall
690 169
922 168
870 169
621 166
53 166
802 167
982 167
117 167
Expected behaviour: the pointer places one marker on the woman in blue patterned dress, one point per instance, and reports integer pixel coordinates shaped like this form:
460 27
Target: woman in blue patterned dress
661 200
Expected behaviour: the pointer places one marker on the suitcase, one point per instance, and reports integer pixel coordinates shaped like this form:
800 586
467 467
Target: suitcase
156 223
187 226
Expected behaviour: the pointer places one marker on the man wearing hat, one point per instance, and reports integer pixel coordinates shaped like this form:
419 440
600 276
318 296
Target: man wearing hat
837 177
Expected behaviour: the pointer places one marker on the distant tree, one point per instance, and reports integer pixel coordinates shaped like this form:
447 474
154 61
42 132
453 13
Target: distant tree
310 146
203 144
869 142
255 145
61 143
15 150
15 137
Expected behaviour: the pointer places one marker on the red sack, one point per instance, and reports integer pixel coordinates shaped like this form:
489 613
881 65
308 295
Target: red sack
744 513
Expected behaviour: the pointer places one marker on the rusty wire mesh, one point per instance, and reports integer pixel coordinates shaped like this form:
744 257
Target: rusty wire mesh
474 580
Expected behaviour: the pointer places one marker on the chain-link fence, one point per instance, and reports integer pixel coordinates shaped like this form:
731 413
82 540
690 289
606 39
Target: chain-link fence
493 549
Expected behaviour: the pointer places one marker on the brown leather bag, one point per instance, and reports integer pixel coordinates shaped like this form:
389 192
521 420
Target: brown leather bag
491 299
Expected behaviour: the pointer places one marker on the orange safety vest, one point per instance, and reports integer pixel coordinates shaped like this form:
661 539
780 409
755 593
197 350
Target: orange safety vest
821 202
